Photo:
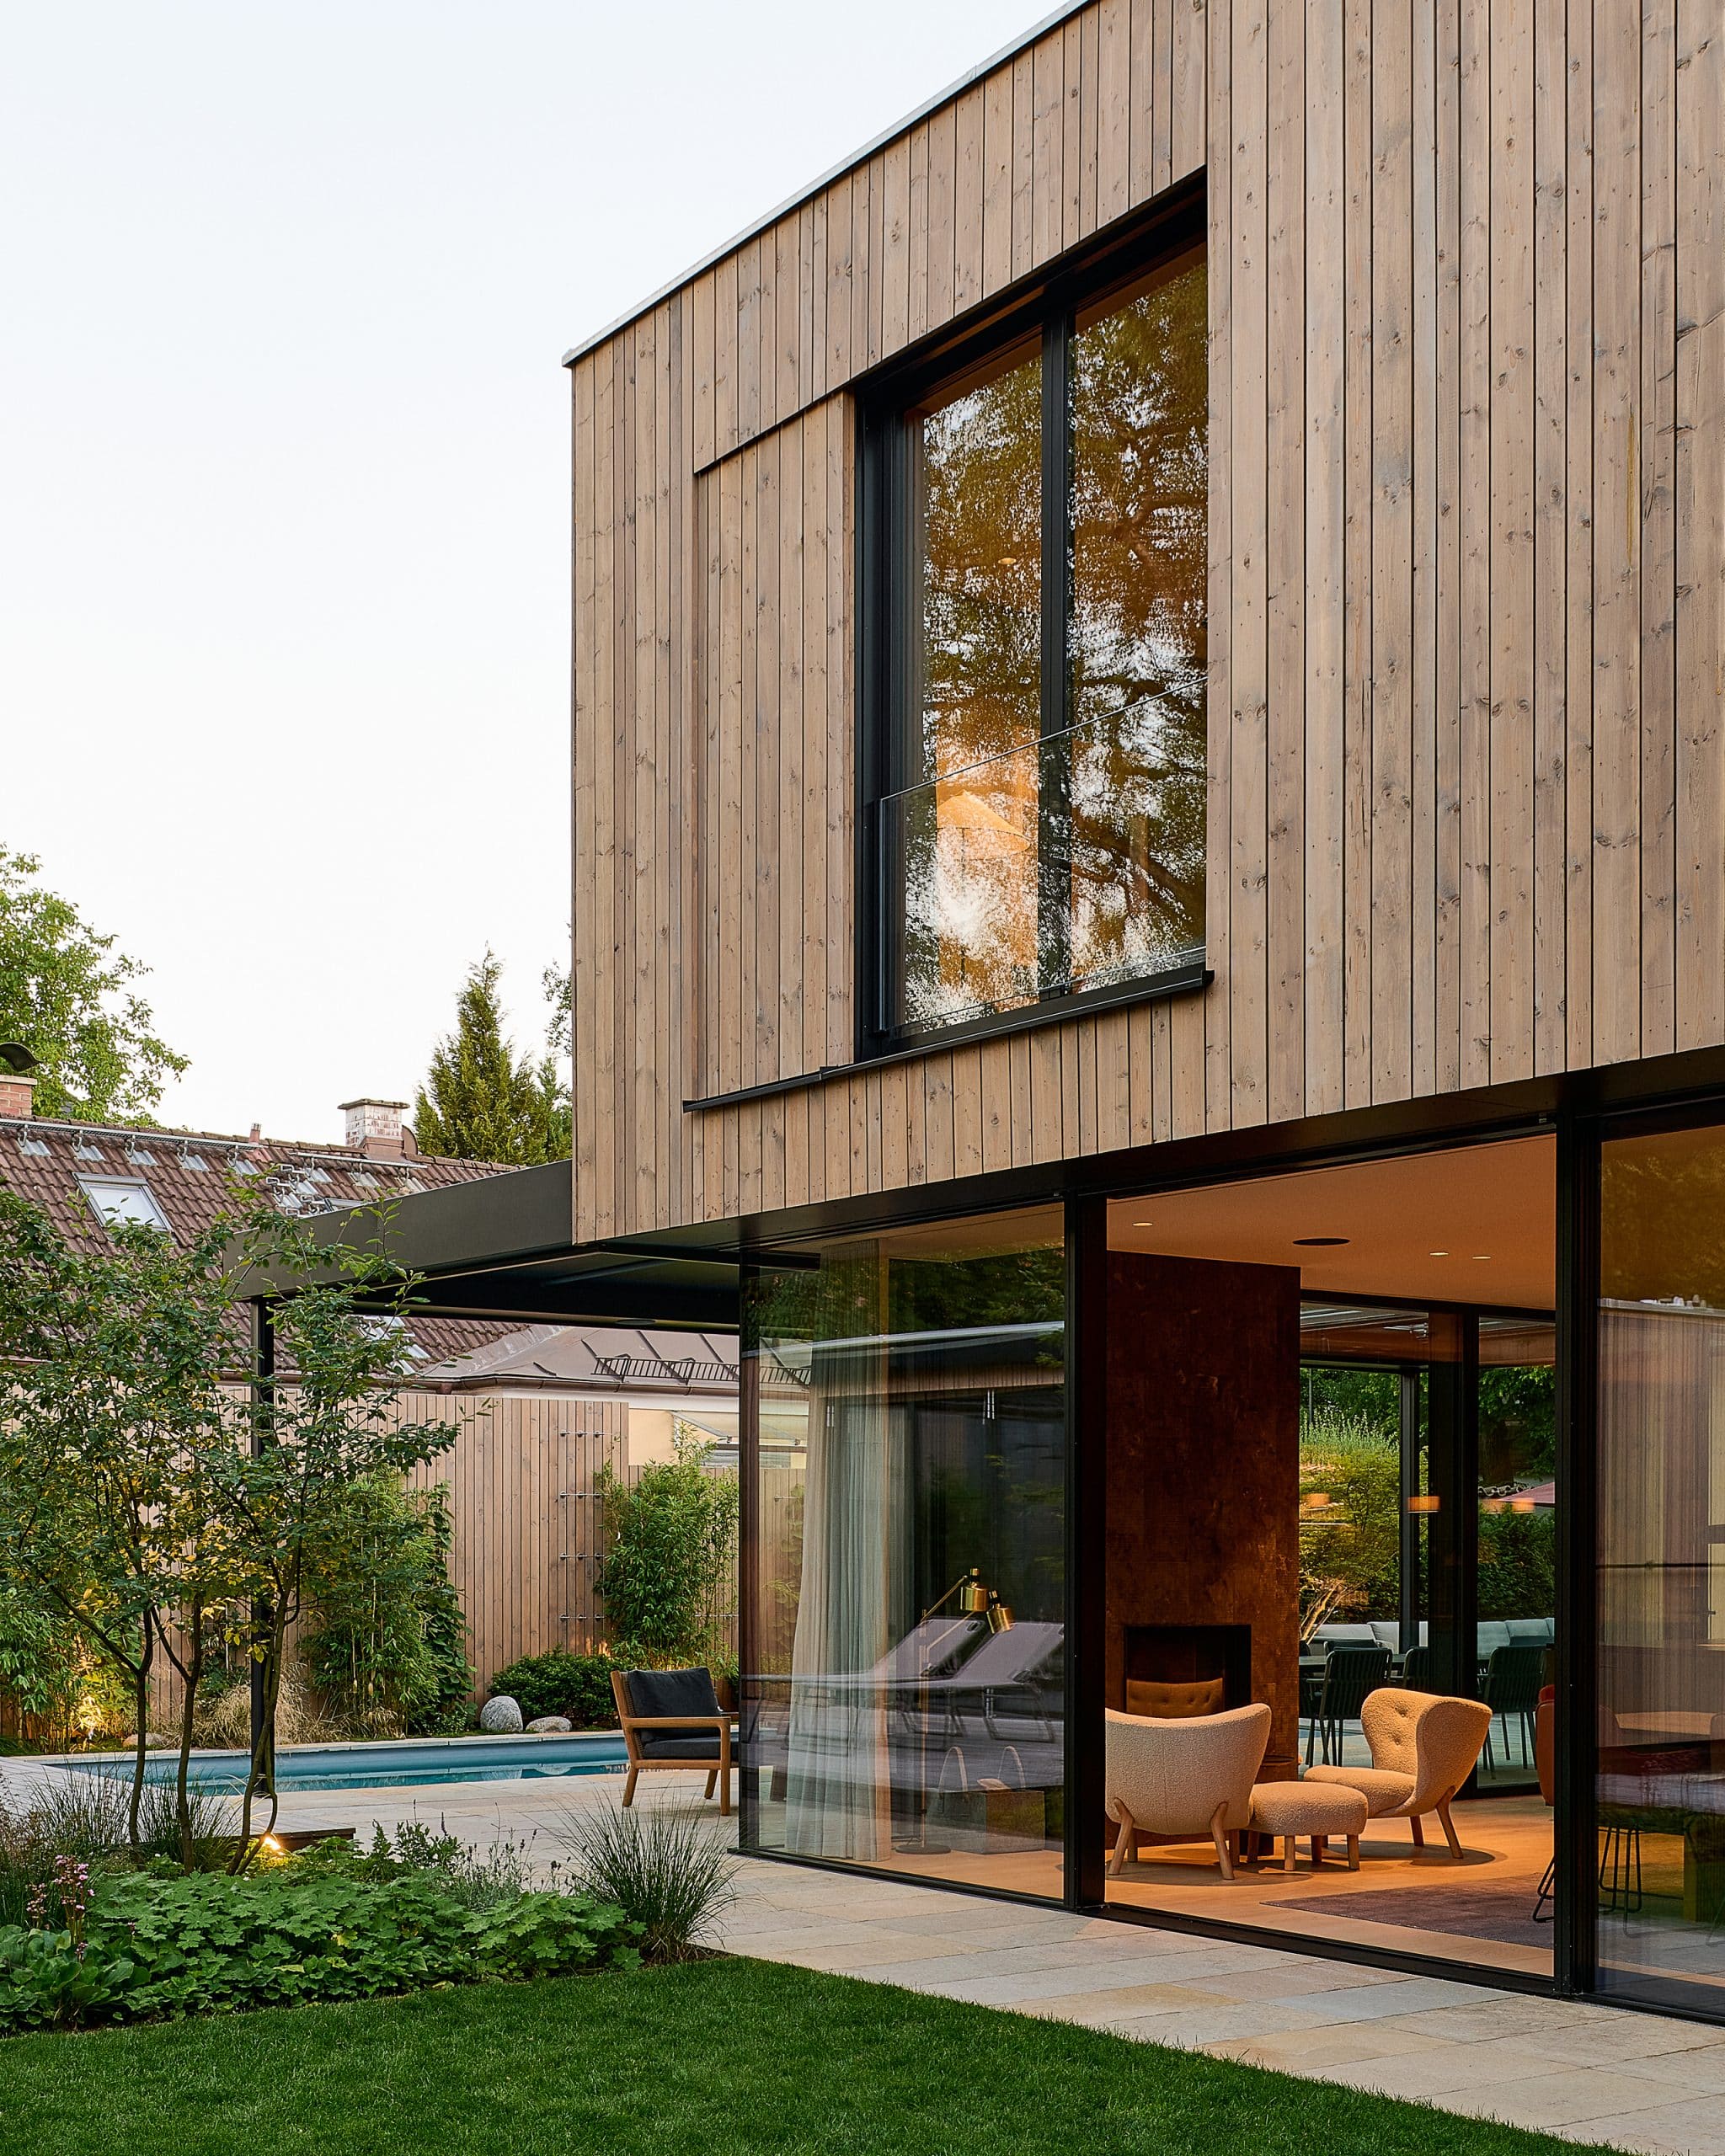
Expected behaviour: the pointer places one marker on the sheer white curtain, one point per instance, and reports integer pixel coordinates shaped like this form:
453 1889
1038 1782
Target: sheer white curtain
838 1796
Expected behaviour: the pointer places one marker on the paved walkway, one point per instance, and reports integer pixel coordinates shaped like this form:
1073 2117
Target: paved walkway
1590 2073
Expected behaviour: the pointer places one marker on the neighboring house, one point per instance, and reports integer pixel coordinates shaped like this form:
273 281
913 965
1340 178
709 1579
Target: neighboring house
533 1414
87 1176
1149 792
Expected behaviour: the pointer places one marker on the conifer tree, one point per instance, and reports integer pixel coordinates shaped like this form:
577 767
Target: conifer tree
479 1101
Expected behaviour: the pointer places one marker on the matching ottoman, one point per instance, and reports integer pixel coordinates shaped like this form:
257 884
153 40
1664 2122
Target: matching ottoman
1320 1809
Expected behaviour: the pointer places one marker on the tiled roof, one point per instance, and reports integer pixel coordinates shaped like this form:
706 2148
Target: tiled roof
191 1175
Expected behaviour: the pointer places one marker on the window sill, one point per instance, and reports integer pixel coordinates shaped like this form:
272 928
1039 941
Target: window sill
1182 981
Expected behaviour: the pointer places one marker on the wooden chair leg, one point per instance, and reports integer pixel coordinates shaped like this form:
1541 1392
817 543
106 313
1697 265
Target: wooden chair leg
1419 1833
1353 1852
629 1787
1123 1844
1449 1824
725 1794
1218 1834
1289 1858
712 1781
1320 1847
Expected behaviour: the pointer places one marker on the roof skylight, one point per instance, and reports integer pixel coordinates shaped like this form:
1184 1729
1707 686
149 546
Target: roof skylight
118 1204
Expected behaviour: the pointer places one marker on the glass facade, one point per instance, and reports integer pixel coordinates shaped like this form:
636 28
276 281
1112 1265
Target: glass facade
904 1686
1661 1553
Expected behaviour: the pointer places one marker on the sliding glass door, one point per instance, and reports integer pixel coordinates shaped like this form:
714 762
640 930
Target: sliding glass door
904 1685
1660 1546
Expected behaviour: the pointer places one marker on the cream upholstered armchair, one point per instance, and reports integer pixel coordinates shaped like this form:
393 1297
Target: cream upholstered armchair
1423 1745
1187 1777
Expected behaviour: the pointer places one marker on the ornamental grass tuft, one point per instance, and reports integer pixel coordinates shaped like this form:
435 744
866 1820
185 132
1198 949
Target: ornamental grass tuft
665 1869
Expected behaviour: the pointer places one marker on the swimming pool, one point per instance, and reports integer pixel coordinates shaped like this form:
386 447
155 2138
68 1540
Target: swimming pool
409 1763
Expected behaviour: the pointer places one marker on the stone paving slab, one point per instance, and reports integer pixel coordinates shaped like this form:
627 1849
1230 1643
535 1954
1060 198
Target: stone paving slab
1578 2070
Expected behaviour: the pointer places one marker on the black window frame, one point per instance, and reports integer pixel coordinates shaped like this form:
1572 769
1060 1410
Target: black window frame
885 550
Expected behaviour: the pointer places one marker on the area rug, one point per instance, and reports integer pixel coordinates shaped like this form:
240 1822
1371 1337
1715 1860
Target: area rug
1503 1914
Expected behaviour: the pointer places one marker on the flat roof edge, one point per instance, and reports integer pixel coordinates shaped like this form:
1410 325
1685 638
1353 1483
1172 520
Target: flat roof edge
1007 52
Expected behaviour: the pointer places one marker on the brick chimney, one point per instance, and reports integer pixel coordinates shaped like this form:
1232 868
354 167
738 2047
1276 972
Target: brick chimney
374 1128
17 1086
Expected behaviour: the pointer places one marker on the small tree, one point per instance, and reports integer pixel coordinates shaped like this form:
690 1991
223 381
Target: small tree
107 1377
145 1497
479 1102
66 993
669 1573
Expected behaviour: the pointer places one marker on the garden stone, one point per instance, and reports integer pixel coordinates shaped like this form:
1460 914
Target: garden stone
549 1725
154 1741
500 1717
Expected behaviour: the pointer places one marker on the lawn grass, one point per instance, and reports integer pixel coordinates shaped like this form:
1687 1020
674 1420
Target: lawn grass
711 2058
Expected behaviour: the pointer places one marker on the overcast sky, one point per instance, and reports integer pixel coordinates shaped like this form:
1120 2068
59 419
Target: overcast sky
284 466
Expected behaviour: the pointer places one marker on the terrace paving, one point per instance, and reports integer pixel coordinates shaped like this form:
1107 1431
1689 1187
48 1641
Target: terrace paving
1585 2072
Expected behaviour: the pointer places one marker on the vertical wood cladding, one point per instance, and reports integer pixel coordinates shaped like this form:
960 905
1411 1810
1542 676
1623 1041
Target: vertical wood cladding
1466 799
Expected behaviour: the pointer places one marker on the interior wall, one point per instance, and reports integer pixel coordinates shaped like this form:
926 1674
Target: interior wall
1202 1466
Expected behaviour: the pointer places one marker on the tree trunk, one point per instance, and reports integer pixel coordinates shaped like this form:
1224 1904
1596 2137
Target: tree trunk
141 1700
192 1670
264 1743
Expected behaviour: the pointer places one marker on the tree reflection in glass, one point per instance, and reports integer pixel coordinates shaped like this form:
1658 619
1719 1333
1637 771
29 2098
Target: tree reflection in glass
1136 633
968 833
1035 864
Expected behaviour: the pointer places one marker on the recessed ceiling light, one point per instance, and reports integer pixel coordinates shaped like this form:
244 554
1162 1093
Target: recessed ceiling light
1144 1224
1320 1242
1481 1257
1437 1253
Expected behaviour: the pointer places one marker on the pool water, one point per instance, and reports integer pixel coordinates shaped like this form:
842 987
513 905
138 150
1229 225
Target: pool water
407 1765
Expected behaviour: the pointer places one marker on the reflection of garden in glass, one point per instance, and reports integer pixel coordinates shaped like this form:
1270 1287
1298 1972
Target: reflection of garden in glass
965 838
911 1406
1046 846
1136 640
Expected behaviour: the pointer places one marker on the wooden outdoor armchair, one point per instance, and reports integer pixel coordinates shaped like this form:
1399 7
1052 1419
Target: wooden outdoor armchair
680 1723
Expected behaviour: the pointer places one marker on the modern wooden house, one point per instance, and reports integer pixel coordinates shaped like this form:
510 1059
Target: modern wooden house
1150 908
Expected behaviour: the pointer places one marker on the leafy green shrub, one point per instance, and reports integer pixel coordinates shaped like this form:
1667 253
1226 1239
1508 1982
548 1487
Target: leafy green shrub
1518 1564
671 1570
665 1867
577 1686
153 1948
1350 1540
40 1665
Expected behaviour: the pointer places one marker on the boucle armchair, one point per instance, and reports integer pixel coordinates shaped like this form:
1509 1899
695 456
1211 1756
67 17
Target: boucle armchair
1187 1777
1424 1745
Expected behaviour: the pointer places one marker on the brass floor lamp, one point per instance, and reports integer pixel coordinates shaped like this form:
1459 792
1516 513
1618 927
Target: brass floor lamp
974 1599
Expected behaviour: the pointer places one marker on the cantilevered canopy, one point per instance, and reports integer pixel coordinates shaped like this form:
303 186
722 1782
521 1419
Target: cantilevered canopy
502 1247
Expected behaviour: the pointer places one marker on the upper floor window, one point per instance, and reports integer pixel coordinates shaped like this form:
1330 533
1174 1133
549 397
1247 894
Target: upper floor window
1036 535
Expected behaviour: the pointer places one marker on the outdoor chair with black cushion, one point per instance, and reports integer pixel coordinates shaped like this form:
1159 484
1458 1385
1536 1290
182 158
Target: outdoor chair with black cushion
1417 1669
1512 1690
672 1718
1349 1674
